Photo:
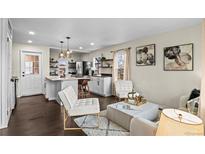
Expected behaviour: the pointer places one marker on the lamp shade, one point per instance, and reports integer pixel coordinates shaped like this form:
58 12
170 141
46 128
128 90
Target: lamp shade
175 122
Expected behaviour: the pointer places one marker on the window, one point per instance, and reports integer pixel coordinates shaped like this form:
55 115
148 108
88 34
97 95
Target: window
31 64
120 64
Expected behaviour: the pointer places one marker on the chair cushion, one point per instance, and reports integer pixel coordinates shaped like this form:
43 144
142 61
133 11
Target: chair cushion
64 100
142 127
123 87
122 94
71 96
85 106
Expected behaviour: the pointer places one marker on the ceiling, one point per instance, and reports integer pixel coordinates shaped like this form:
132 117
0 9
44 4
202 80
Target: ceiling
103 32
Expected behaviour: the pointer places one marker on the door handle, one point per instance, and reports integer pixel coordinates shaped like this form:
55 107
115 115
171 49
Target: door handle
23 75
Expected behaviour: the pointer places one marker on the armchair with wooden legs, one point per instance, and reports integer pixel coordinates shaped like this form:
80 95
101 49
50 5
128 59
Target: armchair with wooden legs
74 107
122 88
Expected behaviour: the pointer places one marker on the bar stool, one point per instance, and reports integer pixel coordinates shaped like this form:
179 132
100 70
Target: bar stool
84 91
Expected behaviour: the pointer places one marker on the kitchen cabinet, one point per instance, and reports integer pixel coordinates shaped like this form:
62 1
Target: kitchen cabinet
55 84
101 86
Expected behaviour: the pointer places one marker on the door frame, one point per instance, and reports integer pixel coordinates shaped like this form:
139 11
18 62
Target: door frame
20 74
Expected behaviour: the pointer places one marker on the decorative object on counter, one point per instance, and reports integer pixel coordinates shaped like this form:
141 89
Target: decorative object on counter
174 122
178 58
139 100
68 51
62 73
62 67
131 96
145 55
61 54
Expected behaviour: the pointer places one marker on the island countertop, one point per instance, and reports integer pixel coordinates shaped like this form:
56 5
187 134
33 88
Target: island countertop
57 78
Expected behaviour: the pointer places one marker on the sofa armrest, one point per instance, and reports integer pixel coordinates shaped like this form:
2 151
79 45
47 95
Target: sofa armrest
142 127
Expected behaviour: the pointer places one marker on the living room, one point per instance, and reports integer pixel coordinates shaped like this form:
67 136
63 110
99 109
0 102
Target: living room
102 77
159 69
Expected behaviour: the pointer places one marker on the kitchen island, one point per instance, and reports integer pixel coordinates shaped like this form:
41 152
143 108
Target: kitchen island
54 84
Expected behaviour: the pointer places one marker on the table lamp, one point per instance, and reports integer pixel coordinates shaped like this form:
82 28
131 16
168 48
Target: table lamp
174 122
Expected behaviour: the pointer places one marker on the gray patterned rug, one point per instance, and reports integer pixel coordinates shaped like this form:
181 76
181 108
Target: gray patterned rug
106 127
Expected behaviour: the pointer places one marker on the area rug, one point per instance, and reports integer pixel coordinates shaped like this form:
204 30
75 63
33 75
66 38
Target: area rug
106 127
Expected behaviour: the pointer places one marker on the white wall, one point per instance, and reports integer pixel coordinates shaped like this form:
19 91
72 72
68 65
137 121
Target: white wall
156 85
17 48
0 74
202 104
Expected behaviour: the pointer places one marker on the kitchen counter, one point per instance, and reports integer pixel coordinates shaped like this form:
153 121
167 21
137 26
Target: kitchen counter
98 84
54 84
97 76
56 78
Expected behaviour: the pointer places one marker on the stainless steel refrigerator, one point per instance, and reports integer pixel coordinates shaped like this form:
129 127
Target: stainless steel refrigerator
83 68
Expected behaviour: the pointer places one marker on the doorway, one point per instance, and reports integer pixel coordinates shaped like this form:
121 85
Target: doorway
31 73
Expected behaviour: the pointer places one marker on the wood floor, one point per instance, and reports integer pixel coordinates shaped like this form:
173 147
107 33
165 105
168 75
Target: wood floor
35 116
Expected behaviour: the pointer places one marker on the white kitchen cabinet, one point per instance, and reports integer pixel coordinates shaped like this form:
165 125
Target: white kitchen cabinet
101 86
54 85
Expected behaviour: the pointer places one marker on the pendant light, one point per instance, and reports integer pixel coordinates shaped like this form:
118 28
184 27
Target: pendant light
61 55
68 51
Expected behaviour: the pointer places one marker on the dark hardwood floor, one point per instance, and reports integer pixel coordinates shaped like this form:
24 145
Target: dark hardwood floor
35 116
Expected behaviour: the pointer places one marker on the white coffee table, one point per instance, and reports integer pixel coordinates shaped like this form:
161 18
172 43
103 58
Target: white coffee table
122 113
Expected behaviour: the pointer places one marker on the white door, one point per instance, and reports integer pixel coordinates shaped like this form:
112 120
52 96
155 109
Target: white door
31 73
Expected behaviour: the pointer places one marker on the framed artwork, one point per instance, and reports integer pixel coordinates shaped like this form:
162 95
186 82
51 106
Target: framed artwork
145 55
178 58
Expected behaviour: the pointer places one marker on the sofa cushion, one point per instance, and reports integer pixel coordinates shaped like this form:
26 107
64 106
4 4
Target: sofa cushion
142 127
71 96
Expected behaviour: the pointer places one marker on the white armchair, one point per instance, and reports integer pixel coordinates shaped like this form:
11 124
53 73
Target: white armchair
77 107
122 88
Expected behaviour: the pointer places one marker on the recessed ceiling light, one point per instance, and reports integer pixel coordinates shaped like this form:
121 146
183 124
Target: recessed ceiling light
80 48
31 33
29 41
92 43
